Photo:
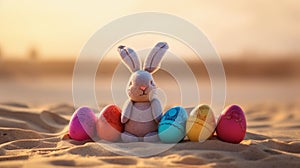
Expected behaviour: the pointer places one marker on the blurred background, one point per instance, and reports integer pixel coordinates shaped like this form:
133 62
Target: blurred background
258 42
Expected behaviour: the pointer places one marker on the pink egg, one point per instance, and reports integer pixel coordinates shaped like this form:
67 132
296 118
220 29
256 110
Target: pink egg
232 125
82 124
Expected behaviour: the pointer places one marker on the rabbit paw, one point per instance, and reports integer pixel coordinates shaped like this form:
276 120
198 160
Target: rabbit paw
151 137
127 137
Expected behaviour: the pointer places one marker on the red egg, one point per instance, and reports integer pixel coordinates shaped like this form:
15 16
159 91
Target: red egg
232 125
109 126
82 124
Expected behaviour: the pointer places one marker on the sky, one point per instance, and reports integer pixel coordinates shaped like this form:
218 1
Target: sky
59 29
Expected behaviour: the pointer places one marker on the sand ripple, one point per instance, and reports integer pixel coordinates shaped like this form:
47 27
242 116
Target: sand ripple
39 137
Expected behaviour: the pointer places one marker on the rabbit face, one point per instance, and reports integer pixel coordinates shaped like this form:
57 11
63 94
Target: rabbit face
140 85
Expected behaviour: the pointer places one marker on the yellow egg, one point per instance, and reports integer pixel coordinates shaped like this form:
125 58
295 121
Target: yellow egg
201 123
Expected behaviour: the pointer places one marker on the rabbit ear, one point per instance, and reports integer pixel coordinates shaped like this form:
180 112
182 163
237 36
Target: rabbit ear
153 60
130 59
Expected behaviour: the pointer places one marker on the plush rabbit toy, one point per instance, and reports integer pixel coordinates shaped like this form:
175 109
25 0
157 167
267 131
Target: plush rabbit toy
142 112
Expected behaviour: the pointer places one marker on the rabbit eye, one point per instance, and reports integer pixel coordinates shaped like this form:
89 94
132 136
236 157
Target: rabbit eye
130 83
152 83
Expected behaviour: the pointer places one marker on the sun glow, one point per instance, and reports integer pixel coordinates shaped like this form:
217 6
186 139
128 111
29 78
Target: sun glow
59 29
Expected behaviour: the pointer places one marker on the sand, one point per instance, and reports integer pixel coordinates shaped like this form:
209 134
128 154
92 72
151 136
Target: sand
36 105
37 137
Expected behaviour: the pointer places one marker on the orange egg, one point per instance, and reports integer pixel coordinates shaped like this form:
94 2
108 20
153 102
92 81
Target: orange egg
109 126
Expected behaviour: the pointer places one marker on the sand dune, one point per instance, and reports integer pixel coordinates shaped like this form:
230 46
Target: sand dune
243 68
35 134
37 137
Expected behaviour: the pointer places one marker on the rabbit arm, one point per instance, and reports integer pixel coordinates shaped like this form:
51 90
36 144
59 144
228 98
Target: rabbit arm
156 109
126 112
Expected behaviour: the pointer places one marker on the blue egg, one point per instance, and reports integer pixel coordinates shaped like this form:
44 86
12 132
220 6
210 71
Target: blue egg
171 128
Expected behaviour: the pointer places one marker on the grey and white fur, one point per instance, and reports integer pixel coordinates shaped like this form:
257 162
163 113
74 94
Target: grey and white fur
142 112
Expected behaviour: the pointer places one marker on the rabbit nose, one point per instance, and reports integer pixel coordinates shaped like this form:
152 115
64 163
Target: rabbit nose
143 88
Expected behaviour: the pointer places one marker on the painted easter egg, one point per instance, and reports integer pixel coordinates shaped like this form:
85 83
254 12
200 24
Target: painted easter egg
82 124
109 126
171 128
201 123
232 125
